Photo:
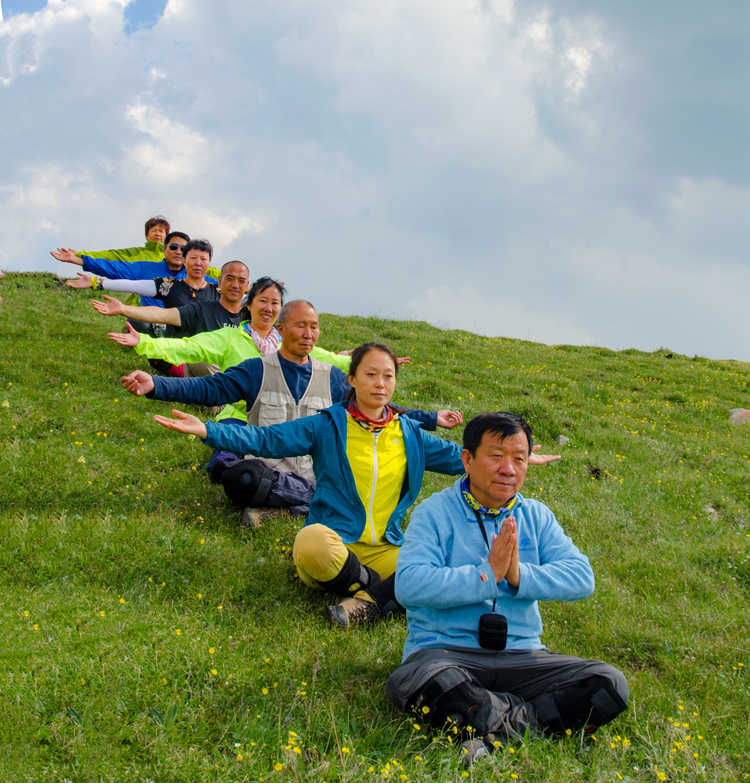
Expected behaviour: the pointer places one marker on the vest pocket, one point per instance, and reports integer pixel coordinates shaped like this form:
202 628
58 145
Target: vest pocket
317 403
272 409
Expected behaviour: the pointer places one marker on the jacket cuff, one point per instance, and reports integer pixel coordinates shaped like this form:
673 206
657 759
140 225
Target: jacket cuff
143 345
488 585
524 584
210 432
156 392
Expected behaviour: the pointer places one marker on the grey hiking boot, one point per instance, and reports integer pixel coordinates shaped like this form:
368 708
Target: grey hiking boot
253 518
475 749
348 611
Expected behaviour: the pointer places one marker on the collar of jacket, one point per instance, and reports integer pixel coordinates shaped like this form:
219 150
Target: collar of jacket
470 513
337 412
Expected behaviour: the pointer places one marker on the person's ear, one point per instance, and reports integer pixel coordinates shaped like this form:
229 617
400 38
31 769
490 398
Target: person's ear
466 458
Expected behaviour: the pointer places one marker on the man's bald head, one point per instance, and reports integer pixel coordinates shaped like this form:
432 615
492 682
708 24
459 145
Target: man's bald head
287 310
299 330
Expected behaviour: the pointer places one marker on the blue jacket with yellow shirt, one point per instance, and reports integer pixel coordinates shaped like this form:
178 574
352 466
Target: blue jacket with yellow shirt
337 502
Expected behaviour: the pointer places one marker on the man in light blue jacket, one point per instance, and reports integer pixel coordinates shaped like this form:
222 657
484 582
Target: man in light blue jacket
476 559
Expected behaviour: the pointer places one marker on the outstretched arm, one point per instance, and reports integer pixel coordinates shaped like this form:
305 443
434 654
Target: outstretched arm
237 383
209 347
152 315
289 439
191 425
66 255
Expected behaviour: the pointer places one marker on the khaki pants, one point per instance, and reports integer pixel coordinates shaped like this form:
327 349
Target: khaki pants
200 370
320 554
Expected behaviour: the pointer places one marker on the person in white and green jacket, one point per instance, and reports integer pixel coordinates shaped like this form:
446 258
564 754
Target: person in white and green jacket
156 229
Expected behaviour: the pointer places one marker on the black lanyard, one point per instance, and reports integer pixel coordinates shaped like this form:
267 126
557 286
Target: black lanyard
486 541
481 527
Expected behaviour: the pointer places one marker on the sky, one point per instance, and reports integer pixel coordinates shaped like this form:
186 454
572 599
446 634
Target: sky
566 172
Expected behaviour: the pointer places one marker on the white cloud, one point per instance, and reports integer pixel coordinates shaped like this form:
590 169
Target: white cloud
223 229
175 153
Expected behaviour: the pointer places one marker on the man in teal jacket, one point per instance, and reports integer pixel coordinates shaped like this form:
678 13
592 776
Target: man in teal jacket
476 560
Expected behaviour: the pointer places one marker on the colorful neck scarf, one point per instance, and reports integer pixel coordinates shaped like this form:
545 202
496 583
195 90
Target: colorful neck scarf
472 502
365 421
265 345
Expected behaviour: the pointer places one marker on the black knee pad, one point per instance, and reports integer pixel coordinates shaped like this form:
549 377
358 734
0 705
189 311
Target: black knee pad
352 577
591 702
384 595
452 699
247 482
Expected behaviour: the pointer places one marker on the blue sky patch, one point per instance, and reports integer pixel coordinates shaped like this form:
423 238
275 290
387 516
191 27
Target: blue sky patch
11 7
143 14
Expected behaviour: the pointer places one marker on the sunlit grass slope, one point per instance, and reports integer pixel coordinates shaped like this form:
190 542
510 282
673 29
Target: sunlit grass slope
146 636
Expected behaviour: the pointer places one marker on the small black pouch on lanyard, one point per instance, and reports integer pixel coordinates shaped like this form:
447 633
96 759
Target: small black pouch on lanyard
493 627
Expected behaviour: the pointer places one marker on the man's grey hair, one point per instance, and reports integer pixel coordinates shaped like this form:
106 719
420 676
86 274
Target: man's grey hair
286 311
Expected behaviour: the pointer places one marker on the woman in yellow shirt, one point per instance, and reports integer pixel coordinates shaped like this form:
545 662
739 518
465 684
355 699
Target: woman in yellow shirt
369 460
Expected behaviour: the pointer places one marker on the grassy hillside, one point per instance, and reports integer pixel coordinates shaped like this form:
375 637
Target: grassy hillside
147 637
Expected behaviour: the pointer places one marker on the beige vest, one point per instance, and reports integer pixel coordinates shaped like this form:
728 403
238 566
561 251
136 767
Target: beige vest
275 404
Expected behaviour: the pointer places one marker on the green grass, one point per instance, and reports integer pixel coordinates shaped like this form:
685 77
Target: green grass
147 637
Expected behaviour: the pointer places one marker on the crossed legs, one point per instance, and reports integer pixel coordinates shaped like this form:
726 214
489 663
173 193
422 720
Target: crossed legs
510 692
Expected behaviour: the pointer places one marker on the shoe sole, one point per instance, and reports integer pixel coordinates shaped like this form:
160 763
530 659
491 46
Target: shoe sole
338 617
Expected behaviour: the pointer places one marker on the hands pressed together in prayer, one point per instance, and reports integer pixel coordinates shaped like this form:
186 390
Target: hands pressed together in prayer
503 557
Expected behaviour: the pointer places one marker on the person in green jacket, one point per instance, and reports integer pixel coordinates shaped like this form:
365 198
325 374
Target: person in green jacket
156 229
229 346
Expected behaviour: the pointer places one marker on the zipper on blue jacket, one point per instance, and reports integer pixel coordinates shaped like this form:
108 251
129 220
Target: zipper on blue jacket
374 480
